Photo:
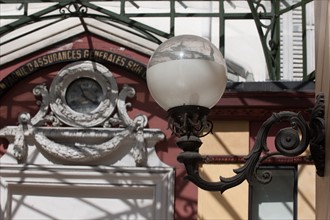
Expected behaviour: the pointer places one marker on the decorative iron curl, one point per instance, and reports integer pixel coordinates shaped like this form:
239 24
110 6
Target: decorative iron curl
290 141
269 44
317 127
260 8
73 9
189 121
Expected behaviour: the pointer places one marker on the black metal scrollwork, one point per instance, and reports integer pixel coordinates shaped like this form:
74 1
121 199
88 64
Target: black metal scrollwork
189 120
73 9
290 141
317 143
267 30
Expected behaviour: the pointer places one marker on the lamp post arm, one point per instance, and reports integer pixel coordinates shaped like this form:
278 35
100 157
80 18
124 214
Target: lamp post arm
290 141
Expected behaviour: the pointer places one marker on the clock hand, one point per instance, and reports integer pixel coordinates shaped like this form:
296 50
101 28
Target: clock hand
88 96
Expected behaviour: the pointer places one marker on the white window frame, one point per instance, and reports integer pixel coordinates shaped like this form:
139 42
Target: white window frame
28 179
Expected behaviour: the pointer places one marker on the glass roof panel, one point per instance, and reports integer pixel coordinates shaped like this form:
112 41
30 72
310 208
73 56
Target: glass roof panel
160 23
36 7
197 6
11 9
147 7
288 3
27 26
113 6
239 6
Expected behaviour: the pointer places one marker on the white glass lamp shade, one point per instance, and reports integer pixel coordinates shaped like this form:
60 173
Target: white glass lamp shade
186 70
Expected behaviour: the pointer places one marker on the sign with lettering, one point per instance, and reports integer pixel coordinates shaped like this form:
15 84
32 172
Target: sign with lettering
101 56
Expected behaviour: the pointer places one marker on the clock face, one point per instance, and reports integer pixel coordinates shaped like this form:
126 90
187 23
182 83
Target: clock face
84 95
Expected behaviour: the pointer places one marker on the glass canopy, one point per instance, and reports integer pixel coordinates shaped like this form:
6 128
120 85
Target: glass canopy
261 40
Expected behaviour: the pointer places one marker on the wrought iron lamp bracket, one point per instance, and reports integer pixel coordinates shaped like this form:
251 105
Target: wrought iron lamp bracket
290 141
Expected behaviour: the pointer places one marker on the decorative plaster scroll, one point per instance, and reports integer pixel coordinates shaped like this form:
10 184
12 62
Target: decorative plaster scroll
80 152
42 92
140 120
82 140
122 119
93 146
139 148
19 145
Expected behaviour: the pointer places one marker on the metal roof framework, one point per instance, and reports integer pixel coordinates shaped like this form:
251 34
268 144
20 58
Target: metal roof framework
52 21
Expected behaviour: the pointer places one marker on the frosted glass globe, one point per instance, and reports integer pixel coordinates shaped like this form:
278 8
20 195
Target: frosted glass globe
186 70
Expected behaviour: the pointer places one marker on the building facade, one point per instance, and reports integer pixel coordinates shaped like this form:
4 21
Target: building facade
112 156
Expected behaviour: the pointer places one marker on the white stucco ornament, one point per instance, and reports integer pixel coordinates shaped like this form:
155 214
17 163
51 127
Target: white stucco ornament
83 94
83 120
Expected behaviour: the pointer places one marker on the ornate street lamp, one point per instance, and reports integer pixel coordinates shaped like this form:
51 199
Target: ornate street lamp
187 76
